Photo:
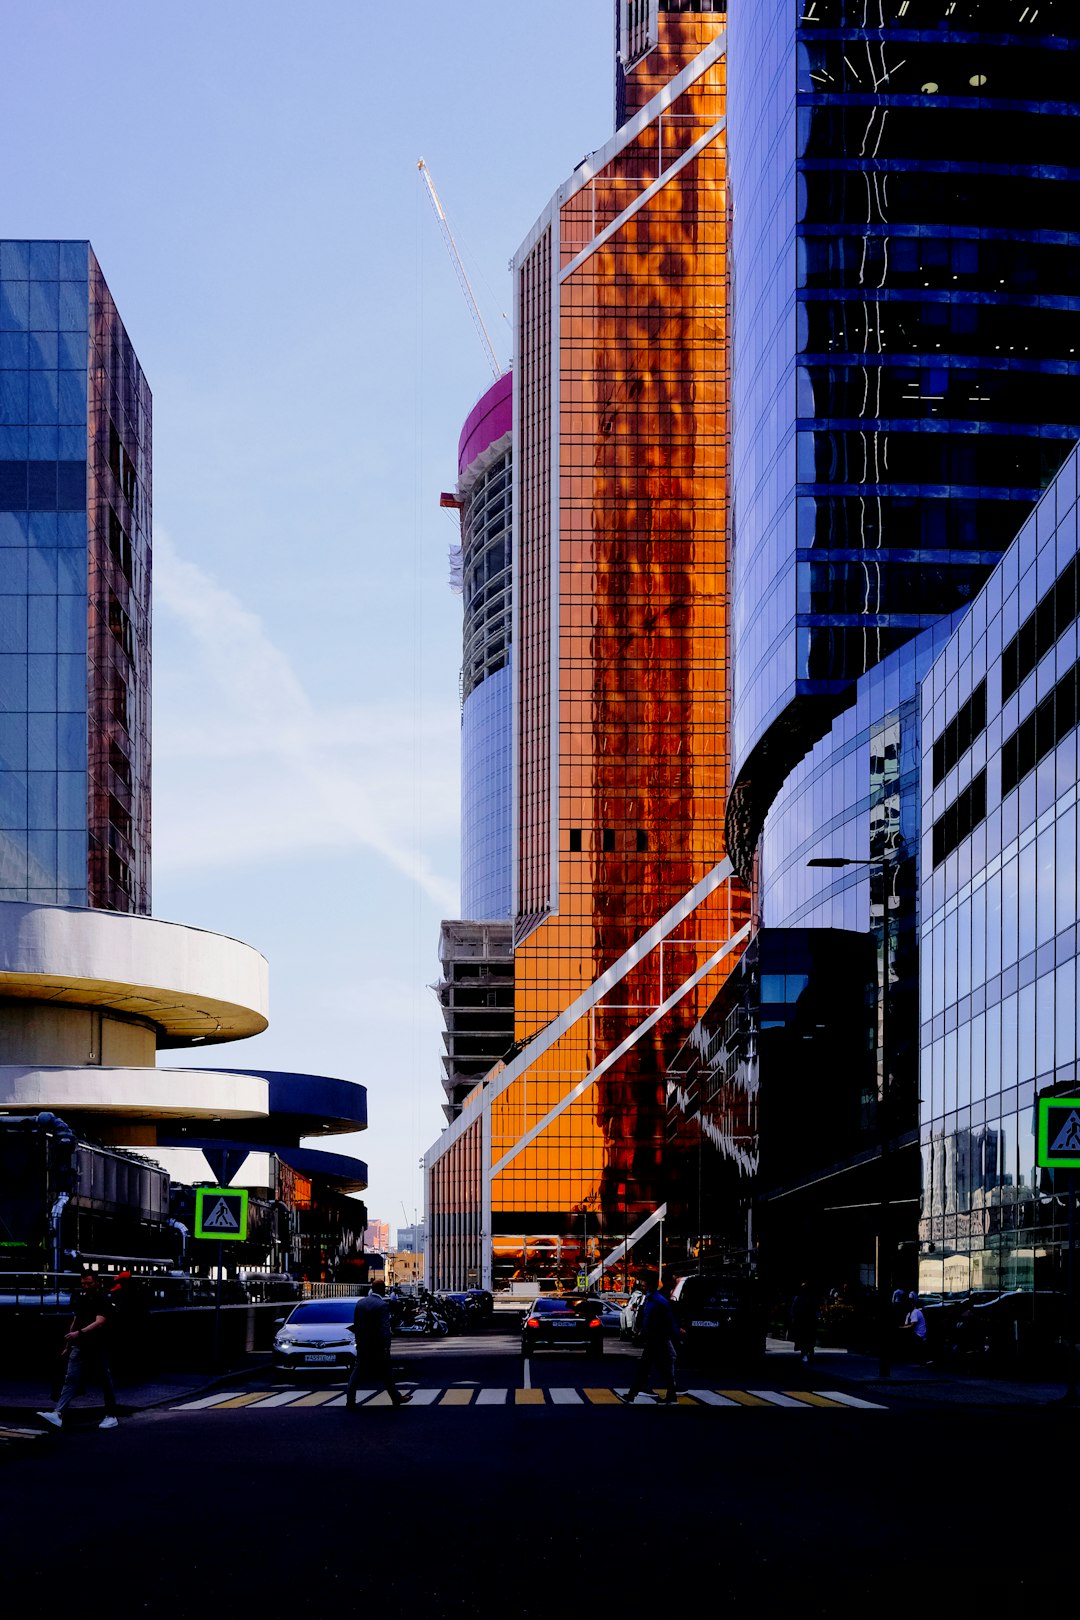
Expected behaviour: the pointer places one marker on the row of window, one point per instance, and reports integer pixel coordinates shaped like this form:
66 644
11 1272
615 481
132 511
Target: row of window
972 394
1040 733
931 132
965 69
1051 18
607 840
960 326
960 819
900 196
915 522
42 486
1052 616
967 723
917 260
884 455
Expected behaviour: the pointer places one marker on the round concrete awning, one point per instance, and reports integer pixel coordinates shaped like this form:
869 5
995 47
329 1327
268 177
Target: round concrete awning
193 986
192 1094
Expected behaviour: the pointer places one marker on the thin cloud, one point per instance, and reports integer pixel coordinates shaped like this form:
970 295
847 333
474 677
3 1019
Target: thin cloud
287 774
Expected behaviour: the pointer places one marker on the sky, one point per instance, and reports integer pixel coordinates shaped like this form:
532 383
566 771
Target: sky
246 171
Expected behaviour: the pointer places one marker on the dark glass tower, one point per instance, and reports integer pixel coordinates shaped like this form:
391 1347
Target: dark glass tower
907 290
75 548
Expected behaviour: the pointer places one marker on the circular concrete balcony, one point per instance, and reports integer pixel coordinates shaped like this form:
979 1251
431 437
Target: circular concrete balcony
203 1095
189 985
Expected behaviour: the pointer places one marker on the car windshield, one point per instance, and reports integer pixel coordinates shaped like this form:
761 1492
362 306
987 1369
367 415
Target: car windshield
551 1307
322 1310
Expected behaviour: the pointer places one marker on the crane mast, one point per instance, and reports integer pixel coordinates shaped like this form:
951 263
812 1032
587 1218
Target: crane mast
466 287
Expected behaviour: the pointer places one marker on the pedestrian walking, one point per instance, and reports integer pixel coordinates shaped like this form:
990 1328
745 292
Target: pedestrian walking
660 1338
87 1340
914 1328
803 1322
371 1331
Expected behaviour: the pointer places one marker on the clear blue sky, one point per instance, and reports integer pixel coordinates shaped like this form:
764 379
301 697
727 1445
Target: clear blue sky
246 172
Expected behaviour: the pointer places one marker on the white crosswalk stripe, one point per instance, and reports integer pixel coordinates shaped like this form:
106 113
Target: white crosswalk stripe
776 1399
853 1400
283 1399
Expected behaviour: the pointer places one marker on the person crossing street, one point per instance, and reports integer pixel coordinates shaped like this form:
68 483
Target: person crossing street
660 1337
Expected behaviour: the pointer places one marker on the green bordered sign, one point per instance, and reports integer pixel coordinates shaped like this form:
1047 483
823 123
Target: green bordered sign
222 1213
1059 1133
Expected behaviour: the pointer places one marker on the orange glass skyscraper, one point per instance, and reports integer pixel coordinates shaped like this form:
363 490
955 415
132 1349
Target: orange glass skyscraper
626 915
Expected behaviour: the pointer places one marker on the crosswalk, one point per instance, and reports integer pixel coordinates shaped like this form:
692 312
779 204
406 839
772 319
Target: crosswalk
293 1399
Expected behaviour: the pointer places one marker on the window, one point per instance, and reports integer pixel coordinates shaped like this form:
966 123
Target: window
1041 732
1052 615
962 816
961 731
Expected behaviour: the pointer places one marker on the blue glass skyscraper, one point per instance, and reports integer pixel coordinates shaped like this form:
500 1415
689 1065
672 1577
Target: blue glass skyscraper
906 356
75 544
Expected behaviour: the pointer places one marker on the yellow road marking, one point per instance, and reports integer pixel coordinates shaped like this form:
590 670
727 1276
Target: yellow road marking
317 1398
601 1397
810 1399
241 1400
528 1397
743 1397
457 1397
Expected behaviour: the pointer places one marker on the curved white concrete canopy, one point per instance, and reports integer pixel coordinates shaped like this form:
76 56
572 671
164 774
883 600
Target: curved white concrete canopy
191 984
197 1094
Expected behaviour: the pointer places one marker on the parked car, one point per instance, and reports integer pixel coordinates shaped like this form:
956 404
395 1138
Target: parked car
316 1336
565 1322
609 1308
631 1315
483 1303
720 1317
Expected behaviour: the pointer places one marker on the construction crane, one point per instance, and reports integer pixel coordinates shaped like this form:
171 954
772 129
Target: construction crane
470 296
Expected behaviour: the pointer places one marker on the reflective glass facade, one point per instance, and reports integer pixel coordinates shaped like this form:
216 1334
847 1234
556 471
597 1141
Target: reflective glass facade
484 490
1000 913
75 501
620 637
486 805
906 285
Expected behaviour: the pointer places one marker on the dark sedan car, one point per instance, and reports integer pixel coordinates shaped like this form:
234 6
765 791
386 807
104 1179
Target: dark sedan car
719 1317
563 1322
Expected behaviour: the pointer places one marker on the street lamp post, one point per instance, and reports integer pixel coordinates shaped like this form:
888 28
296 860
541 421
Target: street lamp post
884 1257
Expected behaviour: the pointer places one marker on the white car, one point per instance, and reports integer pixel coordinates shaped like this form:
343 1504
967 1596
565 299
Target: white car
316 1336
631 1314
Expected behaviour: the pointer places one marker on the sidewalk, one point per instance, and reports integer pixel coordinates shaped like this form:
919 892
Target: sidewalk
22 1396
942 1386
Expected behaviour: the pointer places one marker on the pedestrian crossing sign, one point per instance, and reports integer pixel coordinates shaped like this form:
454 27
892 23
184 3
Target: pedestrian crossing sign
1059 1133
222 1213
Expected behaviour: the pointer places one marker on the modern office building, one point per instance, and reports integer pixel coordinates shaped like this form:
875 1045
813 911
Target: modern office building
483 495
999 910
905 385
92 987
476 984
626 916
75 501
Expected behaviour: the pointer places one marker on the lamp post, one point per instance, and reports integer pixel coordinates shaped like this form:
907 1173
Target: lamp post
884 1266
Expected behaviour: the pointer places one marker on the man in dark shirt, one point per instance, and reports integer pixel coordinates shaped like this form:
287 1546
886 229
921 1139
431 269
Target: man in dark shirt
660 1339
371 1330
87 1351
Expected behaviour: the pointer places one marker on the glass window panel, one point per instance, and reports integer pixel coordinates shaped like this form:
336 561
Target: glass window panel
41 742
1044 907
1025 1033
1027 894
71 741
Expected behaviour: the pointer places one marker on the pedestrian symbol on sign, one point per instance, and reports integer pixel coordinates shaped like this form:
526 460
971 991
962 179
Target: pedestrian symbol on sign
221 1219
1067 1139
221 1213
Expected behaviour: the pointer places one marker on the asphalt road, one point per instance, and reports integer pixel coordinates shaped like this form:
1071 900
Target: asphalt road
464 1509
